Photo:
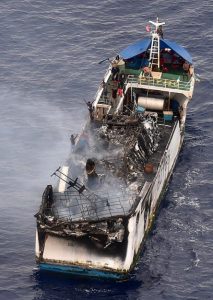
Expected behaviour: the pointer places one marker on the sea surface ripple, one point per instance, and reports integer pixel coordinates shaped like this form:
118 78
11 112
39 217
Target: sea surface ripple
49 53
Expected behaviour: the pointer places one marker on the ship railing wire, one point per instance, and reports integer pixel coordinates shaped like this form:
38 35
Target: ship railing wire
72 206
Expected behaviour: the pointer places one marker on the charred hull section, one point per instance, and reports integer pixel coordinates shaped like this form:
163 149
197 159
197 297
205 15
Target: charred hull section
102 239
98 234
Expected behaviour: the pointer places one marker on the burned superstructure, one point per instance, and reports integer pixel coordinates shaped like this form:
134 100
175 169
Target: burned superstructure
95 219
95 204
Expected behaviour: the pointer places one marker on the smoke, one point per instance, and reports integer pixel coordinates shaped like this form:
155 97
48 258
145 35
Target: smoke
34 140
118 154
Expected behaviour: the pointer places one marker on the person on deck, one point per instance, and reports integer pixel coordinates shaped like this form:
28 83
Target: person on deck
73 138
115 72
105 91
91 109
160 31
186 66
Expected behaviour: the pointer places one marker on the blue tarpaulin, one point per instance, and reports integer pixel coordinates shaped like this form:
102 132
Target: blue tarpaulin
135 49
176 48
142 45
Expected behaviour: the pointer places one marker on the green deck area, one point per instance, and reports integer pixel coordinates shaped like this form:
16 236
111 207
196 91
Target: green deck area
174 79
171 75
132 71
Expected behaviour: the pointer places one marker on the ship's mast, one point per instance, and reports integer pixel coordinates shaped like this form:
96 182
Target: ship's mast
156 34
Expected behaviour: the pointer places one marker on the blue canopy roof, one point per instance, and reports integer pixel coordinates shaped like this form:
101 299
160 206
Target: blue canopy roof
135 49
177 48
142 45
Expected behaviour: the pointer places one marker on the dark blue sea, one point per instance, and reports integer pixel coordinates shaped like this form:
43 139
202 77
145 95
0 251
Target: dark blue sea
49 54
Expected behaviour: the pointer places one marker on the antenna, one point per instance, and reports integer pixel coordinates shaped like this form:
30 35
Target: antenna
157 24
71 183
92 198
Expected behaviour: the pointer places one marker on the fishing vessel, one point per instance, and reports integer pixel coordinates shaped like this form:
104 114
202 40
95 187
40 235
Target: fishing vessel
95 220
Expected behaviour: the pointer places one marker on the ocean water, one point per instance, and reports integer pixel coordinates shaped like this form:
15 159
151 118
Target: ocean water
49 53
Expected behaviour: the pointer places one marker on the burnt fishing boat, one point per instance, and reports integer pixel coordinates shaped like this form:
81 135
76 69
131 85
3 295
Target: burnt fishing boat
94 221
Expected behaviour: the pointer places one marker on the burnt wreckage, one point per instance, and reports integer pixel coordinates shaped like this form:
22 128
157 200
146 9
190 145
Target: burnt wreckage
129 141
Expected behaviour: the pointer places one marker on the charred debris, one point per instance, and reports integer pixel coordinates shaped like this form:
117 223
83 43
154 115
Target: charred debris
86 210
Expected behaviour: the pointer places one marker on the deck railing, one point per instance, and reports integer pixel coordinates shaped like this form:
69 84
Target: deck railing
166 83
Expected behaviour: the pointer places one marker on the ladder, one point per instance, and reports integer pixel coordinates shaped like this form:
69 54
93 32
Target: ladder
154 58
